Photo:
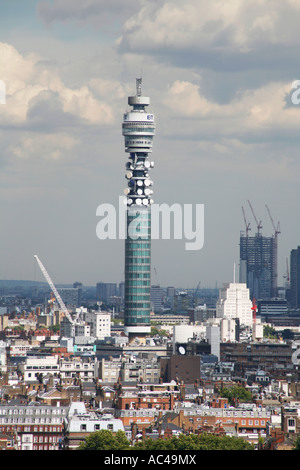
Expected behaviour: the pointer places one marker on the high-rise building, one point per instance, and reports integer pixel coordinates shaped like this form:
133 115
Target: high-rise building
213 338
122 290
182 303
105 290
234 302
70 296
157 298
171 291
295 278
138 129
78 285
258 265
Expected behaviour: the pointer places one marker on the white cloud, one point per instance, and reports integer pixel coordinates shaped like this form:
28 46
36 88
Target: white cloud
81 103
250 113
28 82
220 142
222 34
55 146
95 12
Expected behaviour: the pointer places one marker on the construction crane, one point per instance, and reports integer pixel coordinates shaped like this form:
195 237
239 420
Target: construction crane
259 225
55 292
247 224
276 229
195 294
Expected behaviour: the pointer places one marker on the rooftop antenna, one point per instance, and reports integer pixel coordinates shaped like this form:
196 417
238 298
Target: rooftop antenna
139 86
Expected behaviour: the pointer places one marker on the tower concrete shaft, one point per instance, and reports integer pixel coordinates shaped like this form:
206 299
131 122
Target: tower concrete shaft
138 129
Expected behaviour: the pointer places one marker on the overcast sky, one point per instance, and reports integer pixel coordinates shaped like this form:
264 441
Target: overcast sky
219 76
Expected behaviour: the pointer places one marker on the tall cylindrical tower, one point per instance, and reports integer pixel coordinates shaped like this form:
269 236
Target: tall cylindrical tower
138 129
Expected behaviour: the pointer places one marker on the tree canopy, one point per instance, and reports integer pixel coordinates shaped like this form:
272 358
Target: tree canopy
237 392
105 440
195 442
297 444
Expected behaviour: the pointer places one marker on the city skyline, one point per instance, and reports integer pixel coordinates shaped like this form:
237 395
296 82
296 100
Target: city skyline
220 79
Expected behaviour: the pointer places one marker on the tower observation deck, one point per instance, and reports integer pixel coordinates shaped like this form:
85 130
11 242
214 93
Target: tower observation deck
138 129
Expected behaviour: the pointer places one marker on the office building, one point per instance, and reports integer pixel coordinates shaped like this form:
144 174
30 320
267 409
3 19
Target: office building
234 302
276 356
230 330
171 291
138 129
122 290
157 298
295 278
213 338
182 303
198 314
271 308
78 285
106 290
71 296
182 334
99 323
